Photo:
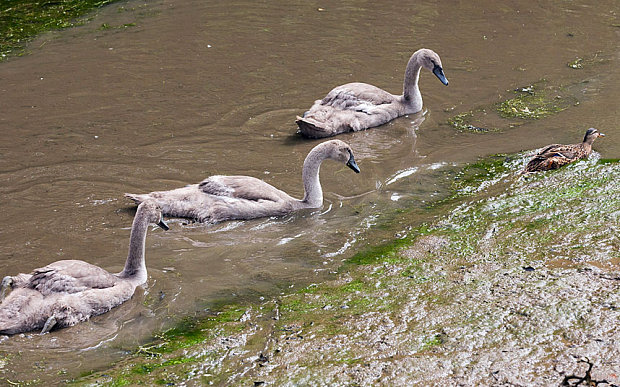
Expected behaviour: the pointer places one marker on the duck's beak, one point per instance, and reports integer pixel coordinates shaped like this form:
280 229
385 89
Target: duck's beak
163 224
601 134
438 71
352 164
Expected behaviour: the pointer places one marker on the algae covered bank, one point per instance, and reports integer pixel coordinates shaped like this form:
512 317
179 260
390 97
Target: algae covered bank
518 283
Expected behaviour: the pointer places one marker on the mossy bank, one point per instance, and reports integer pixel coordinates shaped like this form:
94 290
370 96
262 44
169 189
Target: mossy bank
518 284
21 21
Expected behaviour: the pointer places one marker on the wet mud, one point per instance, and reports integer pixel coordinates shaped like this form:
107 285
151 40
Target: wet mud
515 288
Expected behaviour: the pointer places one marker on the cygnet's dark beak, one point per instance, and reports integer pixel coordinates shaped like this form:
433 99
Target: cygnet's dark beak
163 224
438 71
352 164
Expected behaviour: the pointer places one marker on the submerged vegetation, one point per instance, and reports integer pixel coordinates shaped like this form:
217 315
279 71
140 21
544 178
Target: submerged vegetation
21 21
580 63
526 267
462 122
532 102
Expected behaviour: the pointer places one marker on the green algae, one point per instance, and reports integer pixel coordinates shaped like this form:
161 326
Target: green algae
385 253
466 182
433 341
144 369
353 286
106 26
489 168
191 331
580 63
21 21
532 102
536 101
120 382
415 272
576 64
298 305
154 360
463 123
608 161
351 296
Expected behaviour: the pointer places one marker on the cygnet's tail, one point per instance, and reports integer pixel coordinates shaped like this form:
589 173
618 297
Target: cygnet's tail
7 328
138 198
310 130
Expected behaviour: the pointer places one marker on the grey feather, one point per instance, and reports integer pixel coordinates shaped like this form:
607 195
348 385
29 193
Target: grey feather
358 106
219 198
67 292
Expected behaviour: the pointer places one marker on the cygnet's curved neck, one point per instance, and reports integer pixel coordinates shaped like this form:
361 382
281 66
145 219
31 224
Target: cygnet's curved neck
411 92
135 267
313 196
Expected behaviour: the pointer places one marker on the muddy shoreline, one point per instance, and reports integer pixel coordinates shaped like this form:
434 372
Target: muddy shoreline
504 290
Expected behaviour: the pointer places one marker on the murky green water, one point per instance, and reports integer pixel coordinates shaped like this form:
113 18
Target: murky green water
199 88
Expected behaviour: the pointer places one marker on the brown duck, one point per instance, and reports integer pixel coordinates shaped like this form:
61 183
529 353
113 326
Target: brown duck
556 155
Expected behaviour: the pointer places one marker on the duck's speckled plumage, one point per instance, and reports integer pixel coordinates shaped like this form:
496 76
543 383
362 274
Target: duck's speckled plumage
358 106
67 292
219 198
556 155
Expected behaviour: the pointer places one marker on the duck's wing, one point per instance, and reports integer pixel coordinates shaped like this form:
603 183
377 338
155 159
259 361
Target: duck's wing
70 276
558 150
357 96
546 149
241 187
552 157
